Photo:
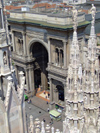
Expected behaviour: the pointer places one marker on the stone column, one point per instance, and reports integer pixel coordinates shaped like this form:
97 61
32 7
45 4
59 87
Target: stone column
27 79
24 43
13 41
51 90
65 89
56 95
68 51
31 81
60 57
65 55
51 105
56 59
44 81
49 49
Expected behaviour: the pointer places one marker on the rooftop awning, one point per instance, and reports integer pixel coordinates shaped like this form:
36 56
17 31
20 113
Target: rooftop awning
54 113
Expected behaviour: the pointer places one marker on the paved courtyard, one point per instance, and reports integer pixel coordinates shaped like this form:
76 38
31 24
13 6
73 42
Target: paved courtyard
39 110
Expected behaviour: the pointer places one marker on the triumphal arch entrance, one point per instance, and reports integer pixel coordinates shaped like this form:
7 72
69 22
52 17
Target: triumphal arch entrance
41 48
40 53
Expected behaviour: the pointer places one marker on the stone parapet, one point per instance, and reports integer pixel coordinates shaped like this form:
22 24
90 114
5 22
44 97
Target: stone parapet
21 58
48 18
57 69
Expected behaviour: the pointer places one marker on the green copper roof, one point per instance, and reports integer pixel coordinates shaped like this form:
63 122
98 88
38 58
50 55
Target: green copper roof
45 24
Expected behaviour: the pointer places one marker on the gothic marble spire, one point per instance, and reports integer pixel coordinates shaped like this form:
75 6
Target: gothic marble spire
74 120
1 15
91 88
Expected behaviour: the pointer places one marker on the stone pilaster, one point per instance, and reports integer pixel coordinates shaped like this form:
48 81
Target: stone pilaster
65 54
31 80
24 43
56 58
27 79
51 90
56 95
44 80
49 49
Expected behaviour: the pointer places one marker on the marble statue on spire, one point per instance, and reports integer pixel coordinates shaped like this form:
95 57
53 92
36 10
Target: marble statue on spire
93 11
74 15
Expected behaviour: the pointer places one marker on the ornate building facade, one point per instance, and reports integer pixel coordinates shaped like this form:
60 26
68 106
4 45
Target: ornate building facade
82 94
41 48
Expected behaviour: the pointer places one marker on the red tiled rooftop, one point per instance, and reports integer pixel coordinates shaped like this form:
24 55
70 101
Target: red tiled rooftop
46 5
98 34
86 11
12 7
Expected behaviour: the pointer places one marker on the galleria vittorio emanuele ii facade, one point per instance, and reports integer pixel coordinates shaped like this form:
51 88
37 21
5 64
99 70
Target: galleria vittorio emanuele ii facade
77 73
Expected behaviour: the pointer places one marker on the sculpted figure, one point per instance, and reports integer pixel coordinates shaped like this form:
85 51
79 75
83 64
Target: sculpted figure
74 14
5 60
93 11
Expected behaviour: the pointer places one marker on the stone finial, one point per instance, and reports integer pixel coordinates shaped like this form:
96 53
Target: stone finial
31 126
57 131
93 12
42 127
47 128
52 130
74 15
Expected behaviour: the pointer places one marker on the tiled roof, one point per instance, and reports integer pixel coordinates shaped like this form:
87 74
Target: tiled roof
86 11
12 7
46 5
98 34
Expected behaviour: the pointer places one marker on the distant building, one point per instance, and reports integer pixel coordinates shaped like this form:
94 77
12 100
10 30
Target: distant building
41 43
74 1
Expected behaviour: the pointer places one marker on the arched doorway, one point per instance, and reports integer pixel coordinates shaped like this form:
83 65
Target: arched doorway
60 92
40 54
